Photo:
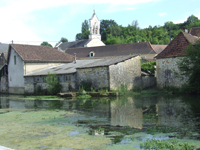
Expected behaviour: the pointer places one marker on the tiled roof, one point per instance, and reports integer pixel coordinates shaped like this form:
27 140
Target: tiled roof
41 53
113 50
107 61
63 69
75 44
178 46
158 48
195 31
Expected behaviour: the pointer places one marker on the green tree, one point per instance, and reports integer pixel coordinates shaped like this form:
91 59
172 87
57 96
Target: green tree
85 26
63 40
45 44
189 67
105 24
192 18
54 85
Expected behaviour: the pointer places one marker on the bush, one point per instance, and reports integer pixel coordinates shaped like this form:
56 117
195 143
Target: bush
149 67
86 85
54 85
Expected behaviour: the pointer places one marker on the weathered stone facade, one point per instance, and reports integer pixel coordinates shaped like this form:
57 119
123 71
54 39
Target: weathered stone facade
32 82
148 81
167 73
125 73
98 76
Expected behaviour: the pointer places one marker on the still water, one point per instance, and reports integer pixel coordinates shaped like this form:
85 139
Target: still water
120 120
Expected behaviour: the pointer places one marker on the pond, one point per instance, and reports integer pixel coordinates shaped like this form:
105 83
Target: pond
132 122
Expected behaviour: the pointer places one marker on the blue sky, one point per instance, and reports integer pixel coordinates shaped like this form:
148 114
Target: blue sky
35 21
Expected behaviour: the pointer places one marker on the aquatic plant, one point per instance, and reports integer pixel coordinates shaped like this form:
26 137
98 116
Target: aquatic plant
165 144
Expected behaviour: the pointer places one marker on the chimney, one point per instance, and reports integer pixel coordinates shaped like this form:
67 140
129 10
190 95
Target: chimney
185 30
74 57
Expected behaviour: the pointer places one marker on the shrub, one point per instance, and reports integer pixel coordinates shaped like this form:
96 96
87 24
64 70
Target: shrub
54 85
149 67
86 85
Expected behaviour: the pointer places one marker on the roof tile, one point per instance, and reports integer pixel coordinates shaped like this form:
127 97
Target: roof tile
41 53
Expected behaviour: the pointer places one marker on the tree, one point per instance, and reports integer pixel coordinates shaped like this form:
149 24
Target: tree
54 85
105 24
189 67
63 40
85 26
78 36
192 18
46 44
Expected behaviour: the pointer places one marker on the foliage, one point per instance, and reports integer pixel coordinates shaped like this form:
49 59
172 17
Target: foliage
149 67
82 93
54 85
85 26
189 67
106 23
192 18
63 40
86 85
123 90
39 90
84 31
165 144
46 44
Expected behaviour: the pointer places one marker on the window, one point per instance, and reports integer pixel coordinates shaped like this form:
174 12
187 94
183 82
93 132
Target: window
15 60
91 54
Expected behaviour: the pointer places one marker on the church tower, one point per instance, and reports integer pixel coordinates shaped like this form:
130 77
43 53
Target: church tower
94 27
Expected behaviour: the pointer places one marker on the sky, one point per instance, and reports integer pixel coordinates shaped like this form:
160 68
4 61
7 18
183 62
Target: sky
34 21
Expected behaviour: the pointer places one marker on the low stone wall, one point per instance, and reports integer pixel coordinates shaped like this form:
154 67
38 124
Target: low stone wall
148 81
98 76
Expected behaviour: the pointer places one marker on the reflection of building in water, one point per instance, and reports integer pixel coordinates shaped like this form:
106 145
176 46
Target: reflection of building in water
30 103
174 113
16 104
124 113
4 102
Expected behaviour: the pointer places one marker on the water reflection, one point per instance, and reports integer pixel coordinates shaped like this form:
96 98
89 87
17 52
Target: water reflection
134 112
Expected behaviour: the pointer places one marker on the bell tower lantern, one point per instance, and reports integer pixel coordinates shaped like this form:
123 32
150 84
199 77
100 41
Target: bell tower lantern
94 27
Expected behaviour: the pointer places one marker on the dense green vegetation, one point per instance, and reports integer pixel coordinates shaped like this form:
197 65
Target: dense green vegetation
149 67
189 67
46 44
54 84
112 33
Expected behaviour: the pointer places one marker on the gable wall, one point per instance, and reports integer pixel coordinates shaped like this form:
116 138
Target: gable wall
125 73
166 70
31 67
15 73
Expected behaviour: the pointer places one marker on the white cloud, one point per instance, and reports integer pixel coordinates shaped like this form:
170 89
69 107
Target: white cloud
15 13
162 14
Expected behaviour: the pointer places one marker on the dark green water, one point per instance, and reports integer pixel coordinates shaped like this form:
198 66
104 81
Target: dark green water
126 115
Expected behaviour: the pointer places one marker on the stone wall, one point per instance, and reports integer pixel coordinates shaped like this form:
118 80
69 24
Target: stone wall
167 73
32 82
148 81
125 73
98 76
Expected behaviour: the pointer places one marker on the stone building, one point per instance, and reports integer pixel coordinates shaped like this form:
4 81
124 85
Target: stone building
3 68
93 40
166 61
66 74
102 73
112 72
24 59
